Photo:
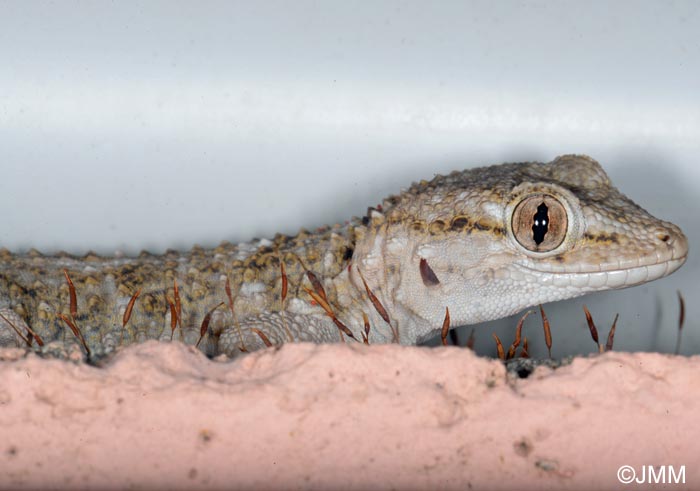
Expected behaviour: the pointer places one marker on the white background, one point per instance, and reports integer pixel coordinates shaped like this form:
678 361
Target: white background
164 124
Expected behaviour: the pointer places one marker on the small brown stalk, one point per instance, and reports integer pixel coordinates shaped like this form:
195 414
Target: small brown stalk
379 307
173 317
445 327
130 307
178 304
547 331
39 341
611 335
262 336
365 335
518 333
283 296
284 281
205 324
525 352
76 331
329 312
593 329
19 333
316 283
73 296
681 320
127 314
499 347
228 294
233 314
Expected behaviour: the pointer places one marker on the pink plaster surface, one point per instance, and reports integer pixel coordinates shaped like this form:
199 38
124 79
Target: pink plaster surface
343 417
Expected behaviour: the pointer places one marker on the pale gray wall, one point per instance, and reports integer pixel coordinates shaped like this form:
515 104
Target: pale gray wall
164 124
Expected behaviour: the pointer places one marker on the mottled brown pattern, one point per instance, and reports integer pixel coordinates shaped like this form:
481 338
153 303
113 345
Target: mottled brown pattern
34 285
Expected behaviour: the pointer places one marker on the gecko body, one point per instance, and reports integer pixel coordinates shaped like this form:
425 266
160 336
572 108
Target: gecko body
485 243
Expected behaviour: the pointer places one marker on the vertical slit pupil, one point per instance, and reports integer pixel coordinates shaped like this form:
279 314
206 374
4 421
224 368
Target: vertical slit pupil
540 224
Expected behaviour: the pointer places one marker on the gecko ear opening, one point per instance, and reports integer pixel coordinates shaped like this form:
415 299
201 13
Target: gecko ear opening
427 274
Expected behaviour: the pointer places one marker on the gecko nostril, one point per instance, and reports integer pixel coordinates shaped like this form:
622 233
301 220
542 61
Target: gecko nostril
663 237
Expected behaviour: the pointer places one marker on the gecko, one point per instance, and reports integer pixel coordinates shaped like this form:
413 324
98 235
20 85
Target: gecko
482 243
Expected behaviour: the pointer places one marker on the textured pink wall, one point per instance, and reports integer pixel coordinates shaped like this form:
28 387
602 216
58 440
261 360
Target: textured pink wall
330 417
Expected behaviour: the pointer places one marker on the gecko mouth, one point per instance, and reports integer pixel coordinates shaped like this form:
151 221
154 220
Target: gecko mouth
619 273
608 279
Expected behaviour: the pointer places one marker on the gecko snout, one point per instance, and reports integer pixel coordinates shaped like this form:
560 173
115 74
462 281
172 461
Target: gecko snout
674 239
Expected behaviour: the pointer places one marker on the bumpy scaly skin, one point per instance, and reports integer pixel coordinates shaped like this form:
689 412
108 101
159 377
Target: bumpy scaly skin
34 290
460 226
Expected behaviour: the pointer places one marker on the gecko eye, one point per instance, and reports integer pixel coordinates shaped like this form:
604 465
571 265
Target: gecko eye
539 223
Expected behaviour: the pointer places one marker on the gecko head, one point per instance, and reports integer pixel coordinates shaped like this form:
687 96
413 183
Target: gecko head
492 241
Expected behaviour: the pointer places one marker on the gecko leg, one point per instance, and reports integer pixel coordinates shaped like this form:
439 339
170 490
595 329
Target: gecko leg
276 328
